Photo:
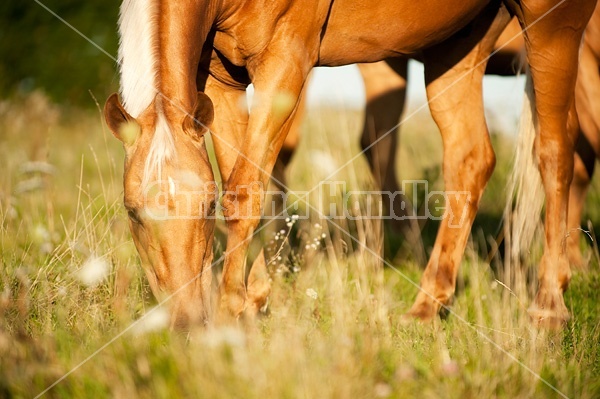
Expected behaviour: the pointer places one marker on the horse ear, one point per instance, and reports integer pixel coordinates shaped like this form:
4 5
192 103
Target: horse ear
119 121
201 117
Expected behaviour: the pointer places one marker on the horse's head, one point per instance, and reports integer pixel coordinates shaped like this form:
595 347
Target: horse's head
170 196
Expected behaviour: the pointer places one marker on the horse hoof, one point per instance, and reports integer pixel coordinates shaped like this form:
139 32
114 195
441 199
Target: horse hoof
552 318
423 312
408 319
231 308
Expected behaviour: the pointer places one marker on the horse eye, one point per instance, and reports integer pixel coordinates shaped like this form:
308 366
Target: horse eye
134 216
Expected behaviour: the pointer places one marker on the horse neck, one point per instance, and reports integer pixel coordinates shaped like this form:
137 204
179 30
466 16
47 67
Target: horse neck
183 27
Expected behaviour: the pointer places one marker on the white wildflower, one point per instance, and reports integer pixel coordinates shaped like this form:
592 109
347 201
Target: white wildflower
327 165
93 271
311 293
12 213
382 390
40 234
155 320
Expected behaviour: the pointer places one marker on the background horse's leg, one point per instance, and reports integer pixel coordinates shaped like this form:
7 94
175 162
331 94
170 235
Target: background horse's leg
229 128
291 142
454 72
509 52
587 147
552 46
385 89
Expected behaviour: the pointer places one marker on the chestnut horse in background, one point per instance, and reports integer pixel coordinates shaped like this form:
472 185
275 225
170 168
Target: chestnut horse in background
170 50
385 88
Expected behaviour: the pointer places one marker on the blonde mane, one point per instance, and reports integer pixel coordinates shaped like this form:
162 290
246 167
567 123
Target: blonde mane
138 62
138 54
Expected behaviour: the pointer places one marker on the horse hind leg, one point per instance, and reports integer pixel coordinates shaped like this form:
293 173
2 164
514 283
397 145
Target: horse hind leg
585 159
553 37
258 286
456 104
587 146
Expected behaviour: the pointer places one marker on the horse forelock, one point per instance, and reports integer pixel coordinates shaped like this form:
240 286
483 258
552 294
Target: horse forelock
138 54
162 149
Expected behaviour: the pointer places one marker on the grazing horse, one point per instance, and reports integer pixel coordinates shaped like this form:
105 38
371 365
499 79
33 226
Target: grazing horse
170 50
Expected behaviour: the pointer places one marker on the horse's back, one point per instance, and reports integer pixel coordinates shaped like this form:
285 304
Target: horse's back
366 31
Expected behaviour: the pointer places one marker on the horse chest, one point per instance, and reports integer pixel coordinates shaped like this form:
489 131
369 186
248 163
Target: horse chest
229 45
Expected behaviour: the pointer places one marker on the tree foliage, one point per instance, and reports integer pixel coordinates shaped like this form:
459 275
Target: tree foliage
40 52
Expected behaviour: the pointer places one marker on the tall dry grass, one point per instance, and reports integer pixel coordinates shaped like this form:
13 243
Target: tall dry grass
71 289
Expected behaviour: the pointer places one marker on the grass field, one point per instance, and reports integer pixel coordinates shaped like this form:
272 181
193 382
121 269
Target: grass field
71 289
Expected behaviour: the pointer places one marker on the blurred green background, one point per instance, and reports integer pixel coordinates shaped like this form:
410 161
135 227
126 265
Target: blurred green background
39 52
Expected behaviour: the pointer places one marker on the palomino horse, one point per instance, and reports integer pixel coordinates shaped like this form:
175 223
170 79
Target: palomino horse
385 88
166 55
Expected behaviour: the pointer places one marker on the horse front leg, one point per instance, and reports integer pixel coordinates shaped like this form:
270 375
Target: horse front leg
228 133
278 83
454 76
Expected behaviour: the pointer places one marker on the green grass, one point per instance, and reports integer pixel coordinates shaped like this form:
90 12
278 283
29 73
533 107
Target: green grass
348 342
